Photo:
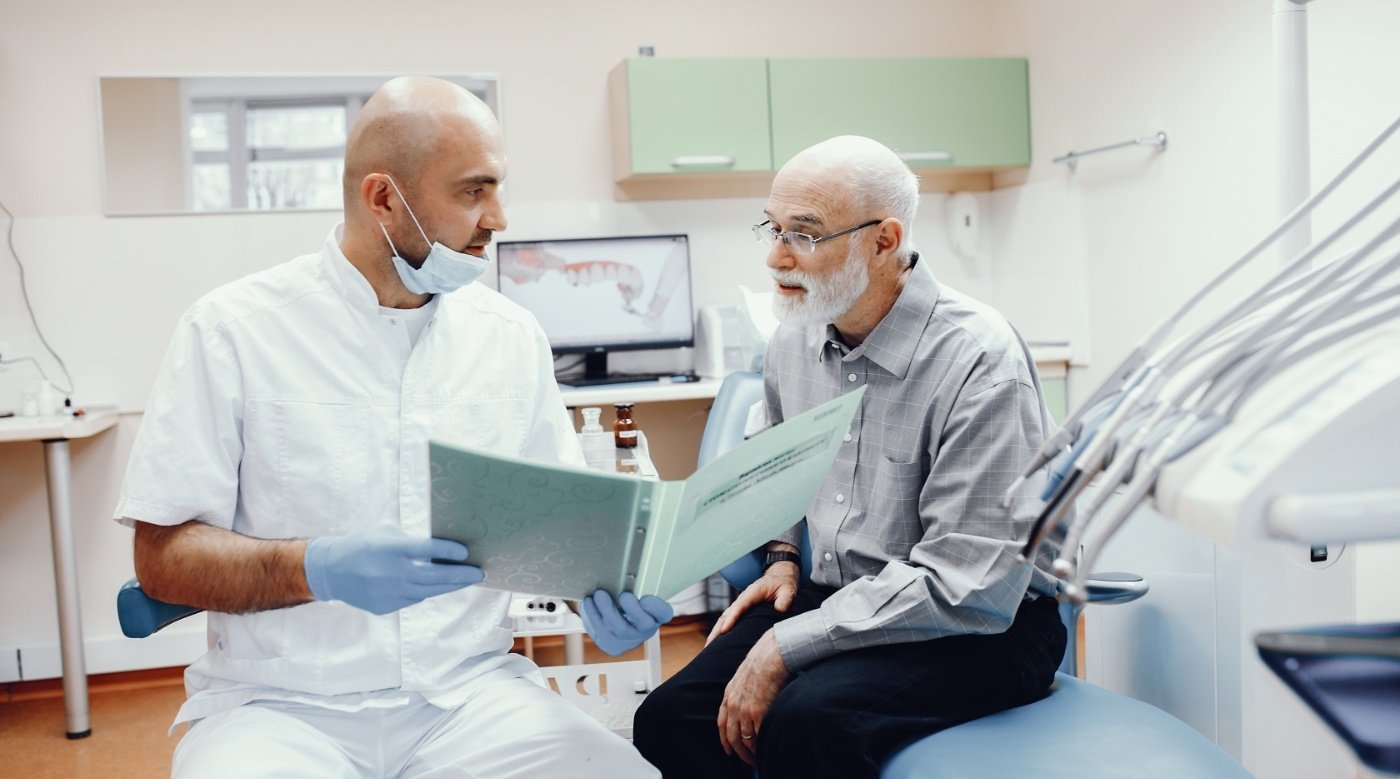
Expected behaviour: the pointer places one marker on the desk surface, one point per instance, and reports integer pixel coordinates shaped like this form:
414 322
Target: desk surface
639 392
58 426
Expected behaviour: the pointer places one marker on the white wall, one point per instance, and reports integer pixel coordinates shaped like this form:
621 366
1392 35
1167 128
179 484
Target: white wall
108 290
1155 228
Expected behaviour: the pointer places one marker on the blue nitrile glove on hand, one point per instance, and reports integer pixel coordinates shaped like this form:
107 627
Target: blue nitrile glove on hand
617 631
383 569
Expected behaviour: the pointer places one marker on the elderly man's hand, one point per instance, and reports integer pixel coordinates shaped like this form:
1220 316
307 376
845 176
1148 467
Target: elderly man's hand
748 697
778 584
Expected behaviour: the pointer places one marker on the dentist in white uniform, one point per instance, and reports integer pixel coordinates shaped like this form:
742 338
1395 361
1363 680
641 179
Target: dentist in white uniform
279 480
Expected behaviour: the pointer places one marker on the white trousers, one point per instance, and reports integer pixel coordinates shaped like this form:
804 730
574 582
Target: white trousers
508 728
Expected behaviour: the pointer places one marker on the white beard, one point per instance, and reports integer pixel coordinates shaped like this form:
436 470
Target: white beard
828 297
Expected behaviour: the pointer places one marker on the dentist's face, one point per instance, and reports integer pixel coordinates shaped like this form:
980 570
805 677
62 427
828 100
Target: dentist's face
457 195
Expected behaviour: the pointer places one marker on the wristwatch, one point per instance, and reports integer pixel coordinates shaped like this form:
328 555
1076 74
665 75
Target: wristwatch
772 558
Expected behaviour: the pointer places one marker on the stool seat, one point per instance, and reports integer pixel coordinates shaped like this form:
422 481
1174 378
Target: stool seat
1079 730
141 615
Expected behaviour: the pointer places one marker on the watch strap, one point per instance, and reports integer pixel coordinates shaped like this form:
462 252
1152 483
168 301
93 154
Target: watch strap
773 558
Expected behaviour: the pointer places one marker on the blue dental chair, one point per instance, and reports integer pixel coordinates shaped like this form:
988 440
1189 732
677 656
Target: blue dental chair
1078 731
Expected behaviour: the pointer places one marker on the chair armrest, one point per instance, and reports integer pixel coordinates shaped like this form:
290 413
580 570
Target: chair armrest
141 615
1106 588
1116 587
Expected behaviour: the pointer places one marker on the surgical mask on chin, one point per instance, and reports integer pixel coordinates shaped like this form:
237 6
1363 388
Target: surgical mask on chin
444 270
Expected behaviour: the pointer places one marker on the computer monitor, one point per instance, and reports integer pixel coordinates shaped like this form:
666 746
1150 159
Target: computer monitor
600 295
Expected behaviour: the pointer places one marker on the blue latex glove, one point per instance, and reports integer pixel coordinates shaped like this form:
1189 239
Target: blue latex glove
616 631
383 569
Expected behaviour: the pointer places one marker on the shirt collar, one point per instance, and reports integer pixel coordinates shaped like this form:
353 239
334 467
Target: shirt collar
891 344
344 277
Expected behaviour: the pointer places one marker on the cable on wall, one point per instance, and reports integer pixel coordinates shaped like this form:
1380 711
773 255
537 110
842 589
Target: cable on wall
24 292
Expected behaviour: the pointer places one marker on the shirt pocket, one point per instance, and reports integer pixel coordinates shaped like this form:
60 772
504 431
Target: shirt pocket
894 504
495 425
317 460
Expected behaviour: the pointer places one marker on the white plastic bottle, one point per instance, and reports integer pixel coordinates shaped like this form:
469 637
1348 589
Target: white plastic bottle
597 442
48 401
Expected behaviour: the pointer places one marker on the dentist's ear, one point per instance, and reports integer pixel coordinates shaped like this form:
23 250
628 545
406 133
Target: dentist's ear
376 196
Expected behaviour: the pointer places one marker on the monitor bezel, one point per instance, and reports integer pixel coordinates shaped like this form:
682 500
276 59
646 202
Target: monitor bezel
631 346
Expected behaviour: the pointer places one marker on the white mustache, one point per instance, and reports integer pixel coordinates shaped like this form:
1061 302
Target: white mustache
792 278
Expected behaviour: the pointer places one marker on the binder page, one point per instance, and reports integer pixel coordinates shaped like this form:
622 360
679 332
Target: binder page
744 498
539 529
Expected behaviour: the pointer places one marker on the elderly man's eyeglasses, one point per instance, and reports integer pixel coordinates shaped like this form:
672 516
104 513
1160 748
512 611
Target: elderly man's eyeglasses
801 243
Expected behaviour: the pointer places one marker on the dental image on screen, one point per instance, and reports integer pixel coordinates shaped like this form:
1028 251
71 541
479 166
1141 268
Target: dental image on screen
605 292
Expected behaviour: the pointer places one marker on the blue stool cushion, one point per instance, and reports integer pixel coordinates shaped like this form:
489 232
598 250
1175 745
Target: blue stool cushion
141 615
1081 731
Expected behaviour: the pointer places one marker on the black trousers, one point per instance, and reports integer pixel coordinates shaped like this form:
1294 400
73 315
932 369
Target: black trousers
845 715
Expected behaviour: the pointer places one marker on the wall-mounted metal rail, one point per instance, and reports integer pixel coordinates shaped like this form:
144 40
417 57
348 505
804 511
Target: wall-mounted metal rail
1158 141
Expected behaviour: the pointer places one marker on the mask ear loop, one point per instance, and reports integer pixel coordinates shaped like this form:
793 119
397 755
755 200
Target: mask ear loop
392 247
410 215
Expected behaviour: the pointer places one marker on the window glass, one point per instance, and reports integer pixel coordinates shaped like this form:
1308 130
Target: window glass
301 183
209 131
210 188
296 127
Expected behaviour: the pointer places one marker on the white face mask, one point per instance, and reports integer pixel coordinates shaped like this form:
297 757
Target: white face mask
444 270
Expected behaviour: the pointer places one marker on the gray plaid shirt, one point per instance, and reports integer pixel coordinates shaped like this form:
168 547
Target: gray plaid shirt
909 523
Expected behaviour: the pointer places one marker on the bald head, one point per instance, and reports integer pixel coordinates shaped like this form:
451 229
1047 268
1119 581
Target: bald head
404 124
860 175
846 156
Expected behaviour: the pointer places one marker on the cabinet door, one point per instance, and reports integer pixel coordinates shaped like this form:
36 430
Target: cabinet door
936 112
697 115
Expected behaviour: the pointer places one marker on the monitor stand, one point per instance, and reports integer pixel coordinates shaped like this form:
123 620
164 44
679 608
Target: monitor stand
595 372
595 367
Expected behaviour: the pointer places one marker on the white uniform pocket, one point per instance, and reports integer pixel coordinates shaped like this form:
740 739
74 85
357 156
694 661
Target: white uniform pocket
311 471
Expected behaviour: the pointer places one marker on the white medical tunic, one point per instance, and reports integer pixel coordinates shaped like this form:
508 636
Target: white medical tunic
288 407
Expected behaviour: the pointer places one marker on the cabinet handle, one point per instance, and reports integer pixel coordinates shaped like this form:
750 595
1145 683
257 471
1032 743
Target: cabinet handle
926 156
703 161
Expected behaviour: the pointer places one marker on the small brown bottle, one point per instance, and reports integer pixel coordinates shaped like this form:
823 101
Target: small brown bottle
625 428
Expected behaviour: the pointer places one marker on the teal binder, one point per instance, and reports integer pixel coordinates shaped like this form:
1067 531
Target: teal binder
541 529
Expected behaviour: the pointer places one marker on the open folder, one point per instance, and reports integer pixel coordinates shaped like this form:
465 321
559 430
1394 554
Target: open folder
541 529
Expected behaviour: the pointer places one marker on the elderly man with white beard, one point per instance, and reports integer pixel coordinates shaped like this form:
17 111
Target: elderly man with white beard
917 615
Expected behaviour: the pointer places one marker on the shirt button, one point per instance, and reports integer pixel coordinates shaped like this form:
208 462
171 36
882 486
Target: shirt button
851 377
847 438
827 557
840 498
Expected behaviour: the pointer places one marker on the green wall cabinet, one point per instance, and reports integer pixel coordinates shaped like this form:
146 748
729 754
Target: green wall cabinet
677 116
947 112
